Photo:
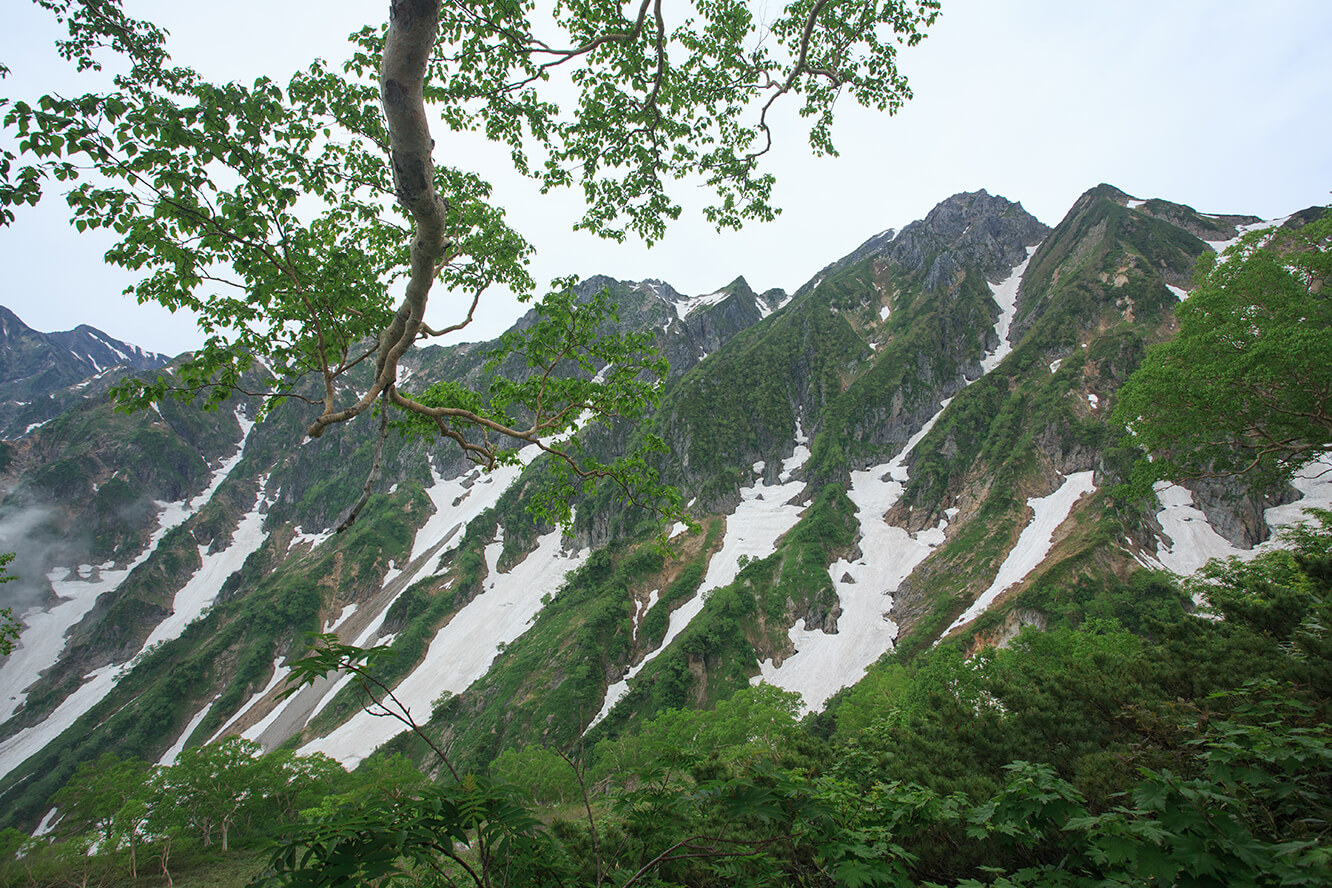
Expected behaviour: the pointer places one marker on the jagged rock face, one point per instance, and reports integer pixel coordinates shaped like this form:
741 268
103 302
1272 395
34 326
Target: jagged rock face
969 229
1236 511
714 324
35 364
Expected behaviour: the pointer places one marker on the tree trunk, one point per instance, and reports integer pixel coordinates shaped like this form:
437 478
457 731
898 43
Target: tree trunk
166 857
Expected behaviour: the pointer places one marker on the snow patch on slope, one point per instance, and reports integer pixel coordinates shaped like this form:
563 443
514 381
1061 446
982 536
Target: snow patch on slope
44 631
201 590
752 531
823 664
1220 246
1193 542
464 648
279 673
169 757
685 308
1034 543
368 638
1006 294
457 501
46 637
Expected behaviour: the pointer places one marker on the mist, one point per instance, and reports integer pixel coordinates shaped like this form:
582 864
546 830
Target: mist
33 533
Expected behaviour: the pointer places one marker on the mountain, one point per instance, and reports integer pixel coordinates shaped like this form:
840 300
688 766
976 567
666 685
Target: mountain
38 370
912 446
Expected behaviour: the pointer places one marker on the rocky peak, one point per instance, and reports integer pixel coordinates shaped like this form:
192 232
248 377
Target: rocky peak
43 373
971 228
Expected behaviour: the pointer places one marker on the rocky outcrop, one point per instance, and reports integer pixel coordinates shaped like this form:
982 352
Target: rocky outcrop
1235 510
976 229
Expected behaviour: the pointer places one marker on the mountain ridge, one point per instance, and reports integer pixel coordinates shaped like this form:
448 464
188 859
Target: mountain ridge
869 459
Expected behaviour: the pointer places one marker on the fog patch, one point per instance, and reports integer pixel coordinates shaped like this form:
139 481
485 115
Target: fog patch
34 533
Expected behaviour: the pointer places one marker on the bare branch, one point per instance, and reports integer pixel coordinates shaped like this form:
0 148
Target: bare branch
376 466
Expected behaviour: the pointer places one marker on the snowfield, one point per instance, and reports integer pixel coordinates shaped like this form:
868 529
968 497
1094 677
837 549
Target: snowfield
464 648
44 638
1188 541
825 663
752 531
1034 544
1006 294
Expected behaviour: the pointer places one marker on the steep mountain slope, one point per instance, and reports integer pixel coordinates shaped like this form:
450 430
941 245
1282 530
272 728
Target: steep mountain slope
37 370
212 516
914 443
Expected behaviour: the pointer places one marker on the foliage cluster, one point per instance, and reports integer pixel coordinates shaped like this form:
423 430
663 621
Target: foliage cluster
1245 386
128 817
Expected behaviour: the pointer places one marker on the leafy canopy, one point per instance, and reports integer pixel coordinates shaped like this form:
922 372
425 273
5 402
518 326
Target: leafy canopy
1246 384
308 224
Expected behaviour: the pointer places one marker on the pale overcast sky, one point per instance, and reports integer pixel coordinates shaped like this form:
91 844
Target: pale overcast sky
1219 104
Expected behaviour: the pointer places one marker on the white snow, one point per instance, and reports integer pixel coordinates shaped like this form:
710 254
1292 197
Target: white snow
1093 401
300 537
169 757
884 312
201 590
1134 204
45 643
279 673
688 306
175 513
1054 365
464 648
1193 542
367 638
642 607
458 500
824 664
1034 543
1005 294
47 824
342 617
34 426
1220 246
1180 293
254 731
80 386
16 749
752 531
43 636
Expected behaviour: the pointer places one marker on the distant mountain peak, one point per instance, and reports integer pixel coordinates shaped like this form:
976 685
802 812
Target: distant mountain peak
36 366
976 228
